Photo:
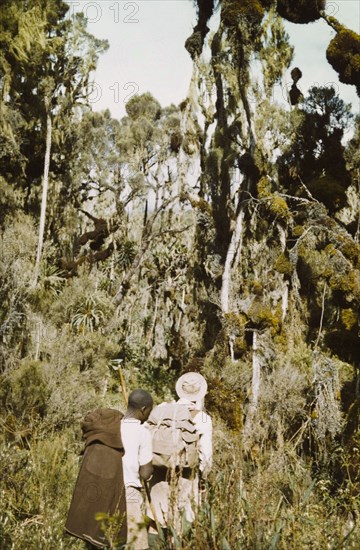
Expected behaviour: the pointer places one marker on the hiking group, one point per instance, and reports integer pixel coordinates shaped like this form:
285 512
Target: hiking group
142 473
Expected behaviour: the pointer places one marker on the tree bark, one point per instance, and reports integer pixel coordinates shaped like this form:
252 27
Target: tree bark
44 197
235 243
255 388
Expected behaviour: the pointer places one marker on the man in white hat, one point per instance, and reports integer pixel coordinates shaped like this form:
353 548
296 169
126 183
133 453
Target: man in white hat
175 493
191 389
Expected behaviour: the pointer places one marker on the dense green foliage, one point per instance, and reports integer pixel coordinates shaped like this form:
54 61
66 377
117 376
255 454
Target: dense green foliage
220 236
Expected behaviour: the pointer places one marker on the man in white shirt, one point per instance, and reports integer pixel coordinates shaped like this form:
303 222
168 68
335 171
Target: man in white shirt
136 439
176 493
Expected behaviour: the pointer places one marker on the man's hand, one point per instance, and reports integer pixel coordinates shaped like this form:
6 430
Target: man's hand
146 471
202 485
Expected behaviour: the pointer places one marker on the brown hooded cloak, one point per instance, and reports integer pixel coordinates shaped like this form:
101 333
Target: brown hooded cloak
100 483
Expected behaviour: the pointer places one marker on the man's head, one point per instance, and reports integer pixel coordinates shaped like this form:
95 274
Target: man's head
140 404
191 386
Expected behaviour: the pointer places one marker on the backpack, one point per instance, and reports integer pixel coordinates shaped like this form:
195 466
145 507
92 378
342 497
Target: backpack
174 436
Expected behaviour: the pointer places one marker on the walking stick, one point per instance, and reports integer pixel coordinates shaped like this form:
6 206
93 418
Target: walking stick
148 496
116 365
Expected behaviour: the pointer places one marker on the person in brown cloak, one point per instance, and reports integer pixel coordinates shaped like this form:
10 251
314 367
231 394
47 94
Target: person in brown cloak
100 484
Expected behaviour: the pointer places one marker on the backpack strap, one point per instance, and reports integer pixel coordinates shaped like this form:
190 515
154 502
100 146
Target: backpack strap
193 413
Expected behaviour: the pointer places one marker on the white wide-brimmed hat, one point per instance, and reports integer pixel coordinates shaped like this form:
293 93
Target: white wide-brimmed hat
191 386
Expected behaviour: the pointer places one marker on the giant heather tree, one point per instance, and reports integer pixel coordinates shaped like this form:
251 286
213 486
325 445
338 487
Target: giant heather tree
276 185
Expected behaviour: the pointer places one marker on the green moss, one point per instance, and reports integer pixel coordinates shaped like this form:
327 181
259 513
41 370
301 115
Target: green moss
239 346
204 206
233 11
264 187
281 341
283 265
351 250
238 417
189 144
235 322
279 208
223 399
330 250
347 282
328 272
200 204
298 230
335 23
264 317
343 53
348 318
257 288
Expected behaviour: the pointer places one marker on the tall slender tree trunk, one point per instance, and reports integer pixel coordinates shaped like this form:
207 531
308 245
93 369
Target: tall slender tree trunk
232 251
44 196
182 309
255 389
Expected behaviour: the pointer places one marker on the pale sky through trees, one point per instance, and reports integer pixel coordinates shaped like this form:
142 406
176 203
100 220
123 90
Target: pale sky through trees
147 50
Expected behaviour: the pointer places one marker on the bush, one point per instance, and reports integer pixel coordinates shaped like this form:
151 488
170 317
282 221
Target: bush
36 492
